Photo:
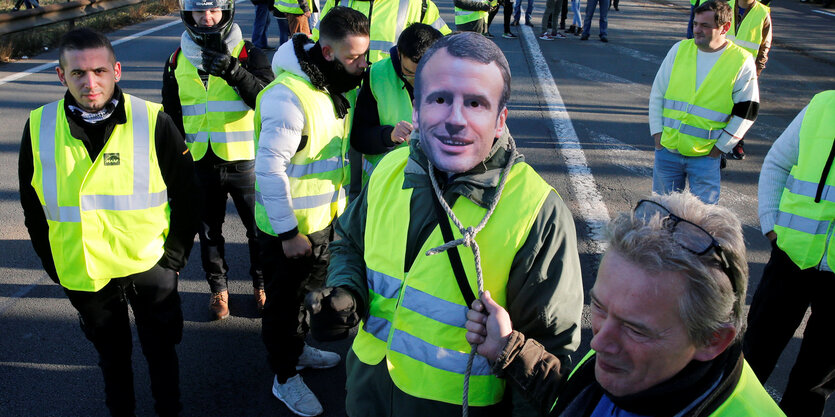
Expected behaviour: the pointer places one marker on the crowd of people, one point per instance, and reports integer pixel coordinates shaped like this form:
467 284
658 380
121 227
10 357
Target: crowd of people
371 165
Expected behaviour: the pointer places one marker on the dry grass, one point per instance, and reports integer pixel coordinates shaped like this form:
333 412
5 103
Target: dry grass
7 5
33 42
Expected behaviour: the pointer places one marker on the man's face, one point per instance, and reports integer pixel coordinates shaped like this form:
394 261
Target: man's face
207 18
639 336
350 52
408 69
706 34
459 115
90 75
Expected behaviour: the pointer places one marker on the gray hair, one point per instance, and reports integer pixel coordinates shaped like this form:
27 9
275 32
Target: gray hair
472 46
709 302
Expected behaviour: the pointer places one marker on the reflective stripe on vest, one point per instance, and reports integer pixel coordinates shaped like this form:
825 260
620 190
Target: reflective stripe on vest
100 225
318 173
804 225
693 119
388 19
288 6
415 321
214 114
393 105
750 32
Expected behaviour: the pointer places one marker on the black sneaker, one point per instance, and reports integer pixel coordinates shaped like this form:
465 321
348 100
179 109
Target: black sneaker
738 152
509 35
488 35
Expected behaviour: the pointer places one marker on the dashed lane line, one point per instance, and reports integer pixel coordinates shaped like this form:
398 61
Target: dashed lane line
590 203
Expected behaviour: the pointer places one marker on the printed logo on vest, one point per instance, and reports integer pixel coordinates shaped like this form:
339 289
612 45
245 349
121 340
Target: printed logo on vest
111 159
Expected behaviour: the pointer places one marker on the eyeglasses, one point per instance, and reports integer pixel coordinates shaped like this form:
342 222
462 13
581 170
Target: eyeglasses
686 234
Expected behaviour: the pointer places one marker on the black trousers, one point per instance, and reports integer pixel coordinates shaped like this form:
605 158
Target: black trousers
218 181
508 12
104 319
285 322
778 307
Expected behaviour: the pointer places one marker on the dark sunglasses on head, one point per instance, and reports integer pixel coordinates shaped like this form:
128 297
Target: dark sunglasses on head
686 234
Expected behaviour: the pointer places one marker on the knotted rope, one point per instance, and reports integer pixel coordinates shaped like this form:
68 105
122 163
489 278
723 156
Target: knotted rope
468 239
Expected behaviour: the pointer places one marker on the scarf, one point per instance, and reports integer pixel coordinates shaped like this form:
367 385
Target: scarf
328 76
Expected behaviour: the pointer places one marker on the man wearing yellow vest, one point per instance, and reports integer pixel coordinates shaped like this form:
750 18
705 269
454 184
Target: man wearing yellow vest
471 15
703 100
108 192
410 355
666 314
383 116
297 13
302 174
388 19
209 87
751 31
796 214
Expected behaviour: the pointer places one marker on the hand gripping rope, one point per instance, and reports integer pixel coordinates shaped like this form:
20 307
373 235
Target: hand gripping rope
468 239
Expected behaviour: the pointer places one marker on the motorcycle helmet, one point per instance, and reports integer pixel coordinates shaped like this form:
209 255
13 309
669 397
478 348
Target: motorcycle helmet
200 34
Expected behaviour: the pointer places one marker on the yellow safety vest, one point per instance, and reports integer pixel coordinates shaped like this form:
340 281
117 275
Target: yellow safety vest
107 218
388 19
319 173
288 6
750 32
393 105
694 119
466 16
804 226
748 398
416 318
214 114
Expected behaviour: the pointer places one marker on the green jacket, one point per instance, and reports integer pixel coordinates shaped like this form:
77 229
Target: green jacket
544 290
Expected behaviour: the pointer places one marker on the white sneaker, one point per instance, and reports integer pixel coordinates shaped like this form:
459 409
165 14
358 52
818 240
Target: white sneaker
297 396
317 359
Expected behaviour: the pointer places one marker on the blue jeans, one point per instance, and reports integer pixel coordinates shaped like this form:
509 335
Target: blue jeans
604 16
283 30
260 26
672 169
517 11
575 10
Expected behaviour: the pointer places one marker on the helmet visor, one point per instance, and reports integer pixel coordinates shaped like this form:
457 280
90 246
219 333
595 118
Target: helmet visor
200 5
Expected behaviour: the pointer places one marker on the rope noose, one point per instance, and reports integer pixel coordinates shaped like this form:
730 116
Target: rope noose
468 239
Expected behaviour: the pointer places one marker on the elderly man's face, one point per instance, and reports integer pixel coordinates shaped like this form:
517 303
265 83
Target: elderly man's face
639 336
90 75
459 115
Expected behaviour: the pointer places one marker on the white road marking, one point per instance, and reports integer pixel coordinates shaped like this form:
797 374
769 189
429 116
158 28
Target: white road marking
49 366
824 12
590 203
52 64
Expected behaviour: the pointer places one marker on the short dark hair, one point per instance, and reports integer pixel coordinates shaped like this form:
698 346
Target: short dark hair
416 39
721 9
472 46
341 22
80 39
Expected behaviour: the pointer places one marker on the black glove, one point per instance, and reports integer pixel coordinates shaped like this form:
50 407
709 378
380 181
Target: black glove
220 64
333 313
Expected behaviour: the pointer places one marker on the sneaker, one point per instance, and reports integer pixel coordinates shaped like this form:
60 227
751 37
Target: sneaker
297 396
488 35
528 23
584 37
219 305
509 35
317 359
515 22
260 298
604 39
738 152
558 35
546 37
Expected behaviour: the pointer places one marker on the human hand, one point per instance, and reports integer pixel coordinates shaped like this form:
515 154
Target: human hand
401 133
219 64
333 312
489 329
657 138
715 152
307 14
296 247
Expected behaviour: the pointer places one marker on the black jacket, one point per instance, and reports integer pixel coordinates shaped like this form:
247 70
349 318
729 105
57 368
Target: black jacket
368 136
175 163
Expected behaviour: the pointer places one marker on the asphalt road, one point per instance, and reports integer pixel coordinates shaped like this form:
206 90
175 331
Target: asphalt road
586 132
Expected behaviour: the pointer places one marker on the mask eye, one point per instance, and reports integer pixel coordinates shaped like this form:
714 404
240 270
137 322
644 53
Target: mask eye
440 100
